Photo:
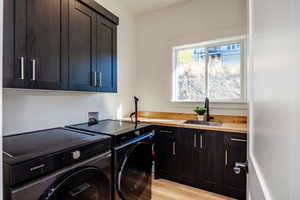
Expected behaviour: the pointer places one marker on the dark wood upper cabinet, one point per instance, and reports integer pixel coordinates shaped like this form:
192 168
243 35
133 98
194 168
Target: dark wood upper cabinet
82 47
16 74
106 55
47 42
38 44
14 41
59 45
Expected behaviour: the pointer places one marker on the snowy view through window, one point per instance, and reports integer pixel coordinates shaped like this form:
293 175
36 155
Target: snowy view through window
214 72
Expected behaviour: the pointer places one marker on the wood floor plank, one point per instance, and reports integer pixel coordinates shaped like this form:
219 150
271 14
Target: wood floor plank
167 190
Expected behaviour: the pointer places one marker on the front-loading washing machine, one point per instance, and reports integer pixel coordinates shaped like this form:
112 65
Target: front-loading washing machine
57 164
132 153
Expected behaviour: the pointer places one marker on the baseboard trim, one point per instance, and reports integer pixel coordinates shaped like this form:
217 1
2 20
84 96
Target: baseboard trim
263 186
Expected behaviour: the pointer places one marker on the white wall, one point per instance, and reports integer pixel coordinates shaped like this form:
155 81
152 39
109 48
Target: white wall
26 110
274 99
185 23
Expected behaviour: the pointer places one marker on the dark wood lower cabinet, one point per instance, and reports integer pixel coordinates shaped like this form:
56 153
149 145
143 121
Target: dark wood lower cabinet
186 156
203 159
235 147
210 159
166 153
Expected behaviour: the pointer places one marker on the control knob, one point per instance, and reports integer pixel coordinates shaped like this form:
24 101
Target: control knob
76 155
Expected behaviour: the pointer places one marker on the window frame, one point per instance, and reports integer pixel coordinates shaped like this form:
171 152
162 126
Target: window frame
207 44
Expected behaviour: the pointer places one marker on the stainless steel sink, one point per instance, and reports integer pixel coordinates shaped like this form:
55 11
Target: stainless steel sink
196 122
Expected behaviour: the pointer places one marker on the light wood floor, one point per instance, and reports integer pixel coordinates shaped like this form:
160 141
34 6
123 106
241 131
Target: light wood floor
167 190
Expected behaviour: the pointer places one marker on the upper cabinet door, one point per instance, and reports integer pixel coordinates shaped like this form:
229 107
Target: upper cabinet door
106 55
46 42
82 48
34 43
14 54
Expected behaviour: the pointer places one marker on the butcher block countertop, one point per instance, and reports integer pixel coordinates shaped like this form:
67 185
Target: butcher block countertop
236 124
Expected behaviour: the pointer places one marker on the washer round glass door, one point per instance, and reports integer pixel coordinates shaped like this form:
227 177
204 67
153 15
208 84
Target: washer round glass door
134 175
83 184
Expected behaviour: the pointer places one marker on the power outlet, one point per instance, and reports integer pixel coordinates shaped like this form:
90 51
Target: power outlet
93 117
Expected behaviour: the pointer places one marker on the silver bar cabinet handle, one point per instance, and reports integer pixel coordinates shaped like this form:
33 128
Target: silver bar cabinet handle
174 149
201 142
95 79
22 68
162 131
238 140
33 69
195 140
226 158
100 77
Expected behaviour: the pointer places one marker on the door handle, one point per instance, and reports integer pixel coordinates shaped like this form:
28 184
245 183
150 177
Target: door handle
174 148
22 60
33 69
195 140
239 166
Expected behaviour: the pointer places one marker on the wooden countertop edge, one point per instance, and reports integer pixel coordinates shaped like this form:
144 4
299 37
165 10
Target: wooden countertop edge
178 124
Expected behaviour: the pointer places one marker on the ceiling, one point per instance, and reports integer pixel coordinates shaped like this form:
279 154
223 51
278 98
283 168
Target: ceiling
144 6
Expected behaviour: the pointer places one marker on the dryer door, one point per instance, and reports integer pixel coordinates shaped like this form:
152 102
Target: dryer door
87 183
134 175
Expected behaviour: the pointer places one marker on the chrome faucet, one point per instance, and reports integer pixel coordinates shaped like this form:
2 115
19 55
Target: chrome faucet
206 106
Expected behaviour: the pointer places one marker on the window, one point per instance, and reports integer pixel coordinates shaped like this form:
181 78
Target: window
211 69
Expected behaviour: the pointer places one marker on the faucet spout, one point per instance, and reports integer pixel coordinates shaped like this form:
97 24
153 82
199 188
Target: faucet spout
206 106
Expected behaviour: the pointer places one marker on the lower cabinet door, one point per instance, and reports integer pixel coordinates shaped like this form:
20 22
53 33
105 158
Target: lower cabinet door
235 151
186 143
165 157
210 161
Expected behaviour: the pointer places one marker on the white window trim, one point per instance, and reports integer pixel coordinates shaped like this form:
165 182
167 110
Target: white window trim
212 43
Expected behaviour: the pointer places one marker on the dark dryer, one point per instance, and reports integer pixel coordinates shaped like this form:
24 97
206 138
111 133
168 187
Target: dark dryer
57 164
132 157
